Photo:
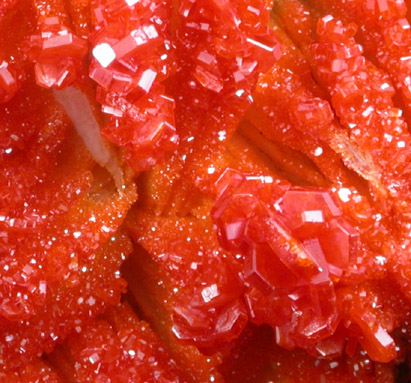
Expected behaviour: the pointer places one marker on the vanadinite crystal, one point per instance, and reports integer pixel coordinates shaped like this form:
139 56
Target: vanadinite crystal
132 57
58 54
295 244
205 191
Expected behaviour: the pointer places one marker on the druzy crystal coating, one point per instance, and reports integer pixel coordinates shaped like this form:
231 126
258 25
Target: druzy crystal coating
236 173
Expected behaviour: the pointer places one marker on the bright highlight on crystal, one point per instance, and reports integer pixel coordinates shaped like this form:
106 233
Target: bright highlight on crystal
104 54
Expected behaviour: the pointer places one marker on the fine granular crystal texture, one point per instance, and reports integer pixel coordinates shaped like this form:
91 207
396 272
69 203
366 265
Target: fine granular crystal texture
205 191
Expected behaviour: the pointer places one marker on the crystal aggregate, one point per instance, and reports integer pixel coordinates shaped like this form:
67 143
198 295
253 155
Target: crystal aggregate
252 204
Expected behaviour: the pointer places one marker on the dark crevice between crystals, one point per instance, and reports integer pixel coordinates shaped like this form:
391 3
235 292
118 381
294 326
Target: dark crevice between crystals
103 186
250 358
149 294
403 373
62 364
136 270
131 300
273 152
149 199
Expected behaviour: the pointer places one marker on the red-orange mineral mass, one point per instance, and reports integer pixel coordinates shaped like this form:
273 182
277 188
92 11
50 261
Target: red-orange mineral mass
132 57
57 53
269 142
293 242
117 348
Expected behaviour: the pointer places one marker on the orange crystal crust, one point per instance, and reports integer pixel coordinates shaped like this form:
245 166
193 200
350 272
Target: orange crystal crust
269 142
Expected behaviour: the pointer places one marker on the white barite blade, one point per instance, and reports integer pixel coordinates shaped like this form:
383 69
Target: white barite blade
78 109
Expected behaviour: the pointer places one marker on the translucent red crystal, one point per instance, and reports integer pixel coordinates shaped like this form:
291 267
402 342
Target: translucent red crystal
279 231
211 314
9 83
57 53
120 348
315 219
275 190
130 60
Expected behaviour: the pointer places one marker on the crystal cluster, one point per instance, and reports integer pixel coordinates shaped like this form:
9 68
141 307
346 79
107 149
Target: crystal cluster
290 109
294 243
119 349
210 313
57 53
132 57
68 306
362 99
224 48
287 111
270 147
385 32
53 225
289 249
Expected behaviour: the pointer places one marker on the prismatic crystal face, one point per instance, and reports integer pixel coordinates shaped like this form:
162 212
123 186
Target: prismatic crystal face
295 245
235 172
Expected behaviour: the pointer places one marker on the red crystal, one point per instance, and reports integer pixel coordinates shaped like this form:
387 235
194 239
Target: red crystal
193 324
314 218
57 53
368 322
146 128
130 62
283 247
190 93
139 42
9 84
313 113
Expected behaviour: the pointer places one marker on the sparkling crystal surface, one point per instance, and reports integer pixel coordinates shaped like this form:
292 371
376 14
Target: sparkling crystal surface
57 53
283 234
268 142
132 57
121 348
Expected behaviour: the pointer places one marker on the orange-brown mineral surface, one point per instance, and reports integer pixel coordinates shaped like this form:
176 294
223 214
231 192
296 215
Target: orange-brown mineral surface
205 191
